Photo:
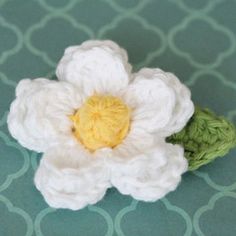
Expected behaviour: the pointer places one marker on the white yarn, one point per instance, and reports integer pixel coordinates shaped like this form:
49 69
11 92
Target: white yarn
69 177
152 174
161 103
89 44
38 117
95 66
143 165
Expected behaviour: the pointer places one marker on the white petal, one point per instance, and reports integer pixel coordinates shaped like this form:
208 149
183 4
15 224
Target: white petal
38 117
69 177
160 102
87 45
151 175
95 67
137 141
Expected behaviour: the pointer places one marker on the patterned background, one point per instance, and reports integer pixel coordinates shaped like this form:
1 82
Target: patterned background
193 38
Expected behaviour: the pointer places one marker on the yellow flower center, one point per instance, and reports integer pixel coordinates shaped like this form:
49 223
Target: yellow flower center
102 121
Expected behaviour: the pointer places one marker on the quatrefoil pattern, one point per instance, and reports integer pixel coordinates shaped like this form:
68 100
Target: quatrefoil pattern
194 39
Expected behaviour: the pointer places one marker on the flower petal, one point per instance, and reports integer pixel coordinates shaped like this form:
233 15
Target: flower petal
160 102
95 67
38 117
137 141
151 175
69 177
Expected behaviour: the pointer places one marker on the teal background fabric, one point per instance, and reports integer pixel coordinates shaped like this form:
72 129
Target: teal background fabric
195 39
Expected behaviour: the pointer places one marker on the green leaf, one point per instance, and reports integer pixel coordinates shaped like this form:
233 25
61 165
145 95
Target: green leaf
205 137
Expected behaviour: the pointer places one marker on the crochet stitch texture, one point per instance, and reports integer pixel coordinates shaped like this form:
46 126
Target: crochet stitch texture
102 121
143 165
205 137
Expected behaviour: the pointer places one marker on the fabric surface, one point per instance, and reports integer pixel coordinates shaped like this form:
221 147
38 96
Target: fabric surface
193 39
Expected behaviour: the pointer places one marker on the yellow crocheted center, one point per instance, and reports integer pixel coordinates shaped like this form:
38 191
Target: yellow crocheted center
102 121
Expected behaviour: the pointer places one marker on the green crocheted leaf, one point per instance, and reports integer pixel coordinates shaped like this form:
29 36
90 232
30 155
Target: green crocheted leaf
205 137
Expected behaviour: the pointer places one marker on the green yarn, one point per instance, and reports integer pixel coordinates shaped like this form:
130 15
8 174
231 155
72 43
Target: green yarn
205 137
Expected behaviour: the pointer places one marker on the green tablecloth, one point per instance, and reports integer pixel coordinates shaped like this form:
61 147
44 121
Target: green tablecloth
193 38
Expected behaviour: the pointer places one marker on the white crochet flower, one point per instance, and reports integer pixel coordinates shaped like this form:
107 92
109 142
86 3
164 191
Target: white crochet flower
143 165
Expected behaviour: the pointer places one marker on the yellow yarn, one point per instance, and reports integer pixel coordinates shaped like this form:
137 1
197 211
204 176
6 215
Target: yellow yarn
102 121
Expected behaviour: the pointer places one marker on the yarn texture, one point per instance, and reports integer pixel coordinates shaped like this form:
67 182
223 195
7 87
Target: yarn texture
100 125
205 137
102 121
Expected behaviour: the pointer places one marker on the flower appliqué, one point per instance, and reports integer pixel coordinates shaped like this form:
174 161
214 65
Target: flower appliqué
100 126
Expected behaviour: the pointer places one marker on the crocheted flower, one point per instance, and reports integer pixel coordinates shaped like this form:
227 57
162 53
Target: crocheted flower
101 126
